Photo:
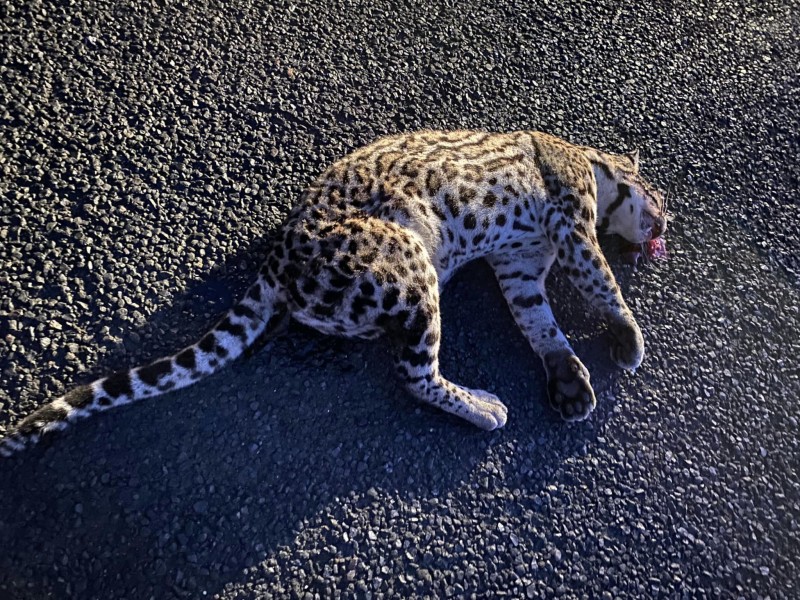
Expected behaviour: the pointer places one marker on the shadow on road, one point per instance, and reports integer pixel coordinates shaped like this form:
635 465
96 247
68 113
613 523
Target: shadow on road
185 492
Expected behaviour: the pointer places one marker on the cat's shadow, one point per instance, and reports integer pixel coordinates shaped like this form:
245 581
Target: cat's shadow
204 482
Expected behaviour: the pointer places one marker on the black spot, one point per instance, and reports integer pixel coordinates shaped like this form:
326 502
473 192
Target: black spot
240 310
299 300
232 328
268 280
451 204
522 227
489 199
104 401
513 275
207 343
478 239
333 296
416 330
415 359
517 210
390 298
467 195
438 212
309 286
470 222
500 220
413 297
323 310
411 189
48 414
367 288
221 351
586 254
433 182
153 372
552 332
79 397
255 293
528 301
118 384
346 267
186 359
360 304
339 281
291 271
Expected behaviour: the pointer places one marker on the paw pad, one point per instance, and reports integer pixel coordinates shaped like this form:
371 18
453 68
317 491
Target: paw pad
568 386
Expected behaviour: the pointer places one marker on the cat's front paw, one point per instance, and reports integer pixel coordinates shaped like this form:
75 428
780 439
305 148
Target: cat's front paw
568 385
627 347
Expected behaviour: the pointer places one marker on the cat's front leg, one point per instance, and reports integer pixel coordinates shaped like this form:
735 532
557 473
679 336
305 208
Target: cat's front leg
521 276
580 256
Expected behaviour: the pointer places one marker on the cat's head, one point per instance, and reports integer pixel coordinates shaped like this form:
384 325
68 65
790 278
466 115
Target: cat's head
626 204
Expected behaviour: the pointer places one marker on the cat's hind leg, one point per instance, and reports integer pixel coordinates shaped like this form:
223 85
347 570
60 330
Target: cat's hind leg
418 338
371 277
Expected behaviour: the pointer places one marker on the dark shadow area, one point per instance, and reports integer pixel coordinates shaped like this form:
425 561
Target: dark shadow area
187 491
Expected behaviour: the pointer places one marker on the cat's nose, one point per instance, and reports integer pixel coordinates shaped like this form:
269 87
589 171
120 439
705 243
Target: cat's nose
659 227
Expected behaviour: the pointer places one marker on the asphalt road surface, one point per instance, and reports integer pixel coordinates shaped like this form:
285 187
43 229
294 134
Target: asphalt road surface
148 149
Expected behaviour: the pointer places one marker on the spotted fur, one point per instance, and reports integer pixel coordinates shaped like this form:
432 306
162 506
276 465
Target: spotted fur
368 247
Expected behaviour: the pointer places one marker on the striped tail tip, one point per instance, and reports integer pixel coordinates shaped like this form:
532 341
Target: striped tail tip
51 417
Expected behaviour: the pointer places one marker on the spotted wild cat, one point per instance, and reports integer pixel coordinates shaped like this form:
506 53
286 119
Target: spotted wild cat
368 248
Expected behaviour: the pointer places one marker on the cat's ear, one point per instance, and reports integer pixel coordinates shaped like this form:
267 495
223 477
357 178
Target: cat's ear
633 157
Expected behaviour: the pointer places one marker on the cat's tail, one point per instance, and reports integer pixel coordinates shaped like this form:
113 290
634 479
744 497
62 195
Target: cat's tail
258 314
